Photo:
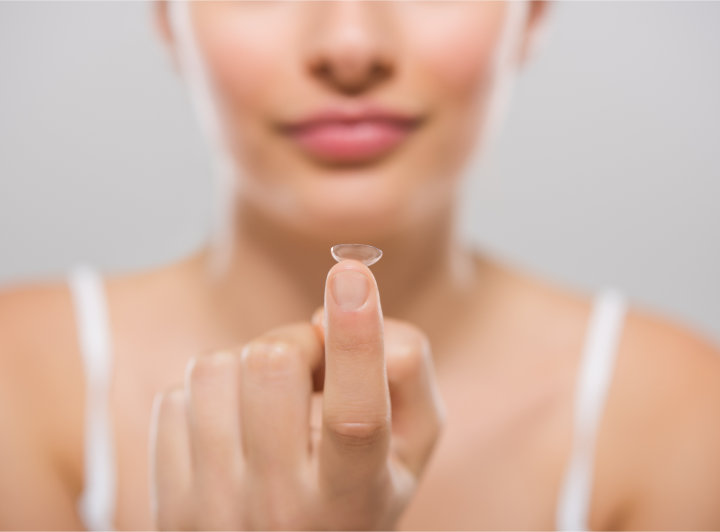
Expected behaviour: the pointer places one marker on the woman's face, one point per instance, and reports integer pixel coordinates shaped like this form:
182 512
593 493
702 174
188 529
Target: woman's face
351 119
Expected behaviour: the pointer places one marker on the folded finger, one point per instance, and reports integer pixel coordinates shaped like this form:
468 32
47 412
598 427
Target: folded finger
417 408
170 459
212 385
276 393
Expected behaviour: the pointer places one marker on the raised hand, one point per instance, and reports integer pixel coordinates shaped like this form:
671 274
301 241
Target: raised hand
234 447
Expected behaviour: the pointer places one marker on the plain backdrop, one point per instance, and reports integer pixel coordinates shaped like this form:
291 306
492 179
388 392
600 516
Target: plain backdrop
607 171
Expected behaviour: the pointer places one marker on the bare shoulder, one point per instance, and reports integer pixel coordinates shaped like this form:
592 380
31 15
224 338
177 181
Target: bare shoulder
666 356
670 376
40 372
39 347
662 427
41 395
37 338
658 450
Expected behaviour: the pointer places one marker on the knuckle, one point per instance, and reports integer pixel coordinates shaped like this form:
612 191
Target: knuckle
270 358
169 404
207 370
357 434
352 346
407 359
404 364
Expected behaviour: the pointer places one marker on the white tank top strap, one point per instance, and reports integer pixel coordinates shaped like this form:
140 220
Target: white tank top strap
594 378
96 504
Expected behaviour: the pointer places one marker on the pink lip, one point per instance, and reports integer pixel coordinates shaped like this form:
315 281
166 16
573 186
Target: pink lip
350 137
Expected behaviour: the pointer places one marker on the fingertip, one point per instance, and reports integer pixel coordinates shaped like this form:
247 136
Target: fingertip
353 265
350 287
353 315
347 264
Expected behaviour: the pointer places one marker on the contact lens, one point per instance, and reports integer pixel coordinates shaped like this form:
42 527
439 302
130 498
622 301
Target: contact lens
368 255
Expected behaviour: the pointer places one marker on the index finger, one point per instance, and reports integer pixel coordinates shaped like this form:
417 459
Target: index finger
356 400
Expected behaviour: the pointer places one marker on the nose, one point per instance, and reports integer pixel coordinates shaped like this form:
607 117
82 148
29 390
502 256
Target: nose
350 51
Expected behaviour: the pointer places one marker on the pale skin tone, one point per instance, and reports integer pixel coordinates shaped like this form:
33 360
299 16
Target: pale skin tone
448 378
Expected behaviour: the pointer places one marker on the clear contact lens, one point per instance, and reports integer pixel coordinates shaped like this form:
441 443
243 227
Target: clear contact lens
368 255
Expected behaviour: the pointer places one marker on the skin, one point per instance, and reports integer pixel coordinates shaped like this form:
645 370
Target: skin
448 406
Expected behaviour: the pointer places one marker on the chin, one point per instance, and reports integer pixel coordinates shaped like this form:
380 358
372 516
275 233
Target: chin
348 206
352 222
342 212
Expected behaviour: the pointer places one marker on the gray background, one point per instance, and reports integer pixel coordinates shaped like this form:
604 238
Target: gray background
607 171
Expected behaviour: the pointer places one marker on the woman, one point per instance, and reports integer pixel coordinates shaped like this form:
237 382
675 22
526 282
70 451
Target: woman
336 123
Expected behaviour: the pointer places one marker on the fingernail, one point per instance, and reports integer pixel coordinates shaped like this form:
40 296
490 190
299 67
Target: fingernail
349 289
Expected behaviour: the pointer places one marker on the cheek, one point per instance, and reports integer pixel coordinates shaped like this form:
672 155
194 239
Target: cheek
241 62
457 47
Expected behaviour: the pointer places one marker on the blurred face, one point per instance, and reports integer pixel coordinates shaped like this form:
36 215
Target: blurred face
351 119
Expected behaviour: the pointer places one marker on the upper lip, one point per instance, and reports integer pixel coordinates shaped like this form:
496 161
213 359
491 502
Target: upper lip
350 115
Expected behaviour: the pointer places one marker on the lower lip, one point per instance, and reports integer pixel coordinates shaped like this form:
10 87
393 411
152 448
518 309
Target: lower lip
351 142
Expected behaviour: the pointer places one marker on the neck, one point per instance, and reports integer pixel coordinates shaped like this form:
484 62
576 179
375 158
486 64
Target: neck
276 275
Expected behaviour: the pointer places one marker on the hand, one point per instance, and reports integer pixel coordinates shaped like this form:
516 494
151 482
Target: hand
234 448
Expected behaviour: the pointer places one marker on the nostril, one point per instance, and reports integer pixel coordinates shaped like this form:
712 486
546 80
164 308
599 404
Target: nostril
352 78
351 46
381 71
